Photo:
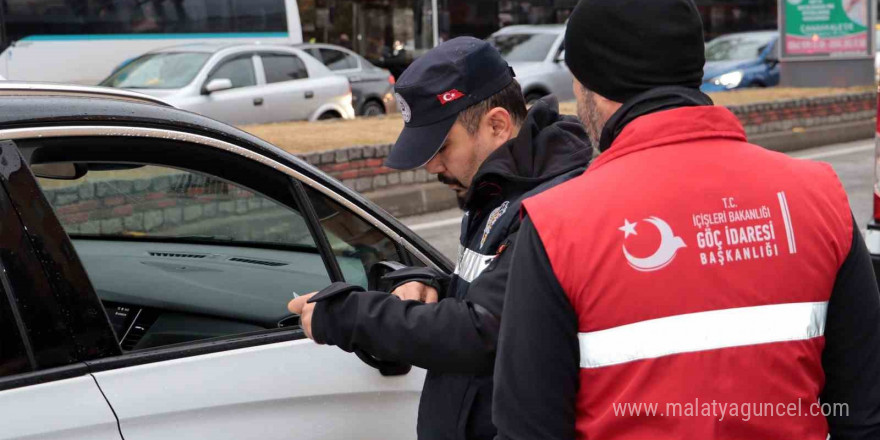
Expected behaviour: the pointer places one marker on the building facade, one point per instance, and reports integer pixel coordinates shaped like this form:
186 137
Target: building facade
392 32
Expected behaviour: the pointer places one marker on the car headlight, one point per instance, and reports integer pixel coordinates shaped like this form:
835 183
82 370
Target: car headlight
729 80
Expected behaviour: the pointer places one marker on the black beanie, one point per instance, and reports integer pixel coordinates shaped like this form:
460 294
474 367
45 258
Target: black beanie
620 48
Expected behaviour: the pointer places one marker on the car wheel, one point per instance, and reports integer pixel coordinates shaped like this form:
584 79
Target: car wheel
531 97
372 108
328 115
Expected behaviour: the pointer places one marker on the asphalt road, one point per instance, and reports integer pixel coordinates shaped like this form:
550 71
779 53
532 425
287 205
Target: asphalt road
853 162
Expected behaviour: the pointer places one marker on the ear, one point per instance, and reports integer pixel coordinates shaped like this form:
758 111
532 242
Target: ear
606 106
500 123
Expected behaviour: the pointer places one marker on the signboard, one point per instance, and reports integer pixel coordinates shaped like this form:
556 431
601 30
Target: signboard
826 28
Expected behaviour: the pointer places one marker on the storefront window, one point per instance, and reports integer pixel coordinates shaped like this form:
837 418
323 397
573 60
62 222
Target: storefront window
388 33
726 17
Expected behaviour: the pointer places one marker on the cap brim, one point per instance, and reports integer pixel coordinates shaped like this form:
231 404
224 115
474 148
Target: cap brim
417 145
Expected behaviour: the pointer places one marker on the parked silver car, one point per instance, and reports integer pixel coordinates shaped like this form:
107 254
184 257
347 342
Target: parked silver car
537 55
239 84
373 87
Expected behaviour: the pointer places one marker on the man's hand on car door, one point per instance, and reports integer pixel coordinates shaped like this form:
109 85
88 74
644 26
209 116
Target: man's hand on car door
413 290
416 291
301 307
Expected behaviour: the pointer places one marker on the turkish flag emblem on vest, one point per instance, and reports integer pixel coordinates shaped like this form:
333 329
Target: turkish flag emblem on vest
449 96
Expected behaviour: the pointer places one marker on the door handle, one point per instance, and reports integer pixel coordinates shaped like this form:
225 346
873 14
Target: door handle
354 79
258 101
310 94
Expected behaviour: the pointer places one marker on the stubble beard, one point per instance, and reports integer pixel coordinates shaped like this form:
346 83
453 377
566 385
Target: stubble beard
588 113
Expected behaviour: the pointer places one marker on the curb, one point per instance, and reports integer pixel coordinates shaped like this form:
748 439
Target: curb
414 199
430 197
802 138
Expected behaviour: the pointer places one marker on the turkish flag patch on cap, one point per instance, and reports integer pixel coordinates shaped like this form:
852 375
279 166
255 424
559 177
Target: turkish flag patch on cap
449 96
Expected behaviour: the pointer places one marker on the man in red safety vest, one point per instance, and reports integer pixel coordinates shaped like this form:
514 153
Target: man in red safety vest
689 285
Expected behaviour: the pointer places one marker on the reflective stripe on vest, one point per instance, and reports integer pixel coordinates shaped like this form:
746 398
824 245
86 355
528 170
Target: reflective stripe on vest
471 264
702 331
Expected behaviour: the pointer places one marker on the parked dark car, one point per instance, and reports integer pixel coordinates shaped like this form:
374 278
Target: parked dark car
372 87
735 61
147 256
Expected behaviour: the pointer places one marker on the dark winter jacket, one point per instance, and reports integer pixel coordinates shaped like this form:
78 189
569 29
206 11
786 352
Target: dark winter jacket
455 338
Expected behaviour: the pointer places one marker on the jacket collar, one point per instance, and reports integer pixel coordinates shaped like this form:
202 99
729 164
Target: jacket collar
685 124
548 145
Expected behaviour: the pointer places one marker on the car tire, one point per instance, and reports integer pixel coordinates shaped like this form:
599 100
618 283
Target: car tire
531 97
329 115
372 108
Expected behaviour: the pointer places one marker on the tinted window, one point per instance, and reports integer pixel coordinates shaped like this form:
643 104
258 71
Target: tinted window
62 317
167 70
337 59
52 17
239 70
357 244
281 68
13 358
523 47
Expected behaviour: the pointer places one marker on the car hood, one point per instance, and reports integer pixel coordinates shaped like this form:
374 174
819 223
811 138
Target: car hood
716 68
527 69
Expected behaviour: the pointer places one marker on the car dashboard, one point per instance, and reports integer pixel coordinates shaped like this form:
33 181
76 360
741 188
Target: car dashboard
156 294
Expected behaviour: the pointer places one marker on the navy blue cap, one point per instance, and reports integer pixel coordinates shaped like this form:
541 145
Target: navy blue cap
435 88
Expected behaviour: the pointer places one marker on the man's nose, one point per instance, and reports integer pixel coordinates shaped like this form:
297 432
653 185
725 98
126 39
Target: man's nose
435 166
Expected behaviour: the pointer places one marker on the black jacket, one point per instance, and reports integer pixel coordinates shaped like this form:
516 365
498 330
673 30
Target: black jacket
455 338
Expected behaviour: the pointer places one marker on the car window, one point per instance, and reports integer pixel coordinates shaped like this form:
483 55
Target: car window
282 67
738 47
313 51
164 70
238 70
13 357
523 47
337 59
177 256
357 244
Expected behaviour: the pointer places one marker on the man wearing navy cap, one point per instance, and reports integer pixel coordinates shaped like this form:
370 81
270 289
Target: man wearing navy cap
466 121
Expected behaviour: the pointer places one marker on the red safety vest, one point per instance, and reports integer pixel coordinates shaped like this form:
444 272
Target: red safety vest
700 268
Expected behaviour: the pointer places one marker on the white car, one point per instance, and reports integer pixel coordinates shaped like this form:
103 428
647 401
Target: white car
537 55
239 84
146 270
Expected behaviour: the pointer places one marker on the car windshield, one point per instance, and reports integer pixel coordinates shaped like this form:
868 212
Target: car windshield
737 47
166 70
523 47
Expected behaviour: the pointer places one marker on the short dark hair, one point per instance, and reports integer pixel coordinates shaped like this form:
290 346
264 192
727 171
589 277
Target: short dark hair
509 98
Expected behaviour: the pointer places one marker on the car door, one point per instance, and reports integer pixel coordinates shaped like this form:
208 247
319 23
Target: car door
195 246
50 321
290 93
244 103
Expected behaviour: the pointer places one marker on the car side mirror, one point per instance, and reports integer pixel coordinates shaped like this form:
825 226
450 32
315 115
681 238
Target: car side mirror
560 57
217 84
